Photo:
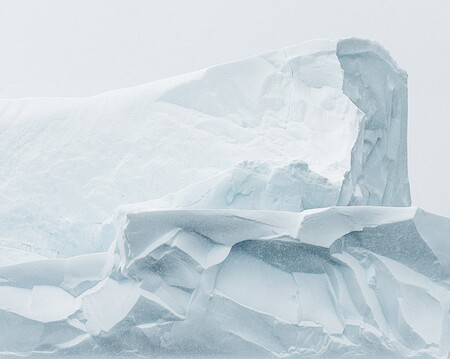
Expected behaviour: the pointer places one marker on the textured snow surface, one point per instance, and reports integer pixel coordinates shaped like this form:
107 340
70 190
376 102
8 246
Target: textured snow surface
314 125
341 281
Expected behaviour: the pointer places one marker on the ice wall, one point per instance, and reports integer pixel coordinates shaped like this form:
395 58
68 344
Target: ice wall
336 282
373 81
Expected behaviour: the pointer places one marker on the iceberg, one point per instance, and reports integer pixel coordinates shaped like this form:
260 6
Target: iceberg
254 209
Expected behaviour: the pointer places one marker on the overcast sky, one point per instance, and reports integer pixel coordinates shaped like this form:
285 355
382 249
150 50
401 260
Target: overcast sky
82 47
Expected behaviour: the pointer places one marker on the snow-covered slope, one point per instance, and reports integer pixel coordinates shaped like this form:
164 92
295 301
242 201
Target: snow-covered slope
314 125
335 282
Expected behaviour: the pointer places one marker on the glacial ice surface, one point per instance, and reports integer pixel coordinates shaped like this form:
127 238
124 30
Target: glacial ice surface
334 282
252 209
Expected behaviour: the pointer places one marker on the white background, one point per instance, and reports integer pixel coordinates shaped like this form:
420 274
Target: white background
82 47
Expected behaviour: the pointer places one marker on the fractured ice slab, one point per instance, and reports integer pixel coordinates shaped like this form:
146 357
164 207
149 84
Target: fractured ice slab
314 125
342 281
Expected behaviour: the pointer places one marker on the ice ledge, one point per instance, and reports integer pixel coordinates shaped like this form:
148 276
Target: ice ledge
337 281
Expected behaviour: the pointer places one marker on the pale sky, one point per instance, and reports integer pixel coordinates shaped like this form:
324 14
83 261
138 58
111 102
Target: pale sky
83 47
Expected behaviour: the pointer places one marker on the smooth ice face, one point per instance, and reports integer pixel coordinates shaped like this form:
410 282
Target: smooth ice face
337 282
314 125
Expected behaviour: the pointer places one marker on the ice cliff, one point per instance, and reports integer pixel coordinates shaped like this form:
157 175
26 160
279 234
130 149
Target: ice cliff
314 125
258 208
337 282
